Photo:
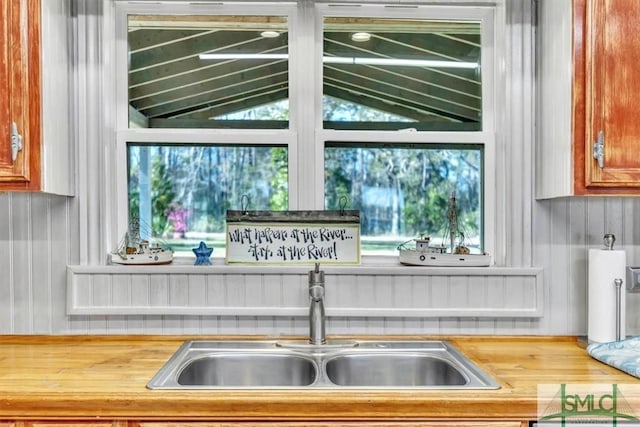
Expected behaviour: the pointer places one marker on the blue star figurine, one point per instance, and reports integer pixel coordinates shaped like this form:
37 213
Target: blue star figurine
202 254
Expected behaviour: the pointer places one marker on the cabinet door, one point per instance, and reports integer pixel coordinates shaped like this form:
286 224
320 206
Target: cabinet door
72 424
612 87
20 93
335 424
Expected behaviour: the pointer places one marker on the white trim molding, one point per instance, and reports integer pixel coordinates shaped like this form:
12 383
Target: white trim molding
282 291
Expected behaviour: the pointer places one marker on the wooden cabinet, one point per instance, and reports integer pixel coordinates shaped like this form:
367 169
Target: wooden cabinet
15 168
334 424
588 57
124 423
36 137
72 423
63 423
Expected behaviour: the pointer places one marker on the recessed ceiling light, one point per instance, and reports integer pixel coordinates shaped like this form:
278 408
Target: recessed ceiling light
270 34
232 56
346 60
360 37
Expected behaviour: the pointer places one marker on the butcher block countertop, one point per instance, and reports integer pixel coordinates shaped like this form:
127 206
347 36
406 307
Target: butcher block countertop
89 377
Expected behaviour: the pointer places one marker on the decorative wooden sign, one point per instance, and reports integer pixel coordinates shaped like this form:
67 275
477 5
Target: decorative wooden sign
293 237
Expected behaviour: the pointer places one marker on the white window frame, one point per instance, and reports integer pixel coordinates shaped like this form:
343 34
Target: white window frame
486 137
305 138
124 135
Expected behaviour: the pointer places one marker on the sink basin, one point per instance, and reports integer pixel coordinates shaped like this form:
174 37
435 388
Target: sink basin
338 365
248 370
395 370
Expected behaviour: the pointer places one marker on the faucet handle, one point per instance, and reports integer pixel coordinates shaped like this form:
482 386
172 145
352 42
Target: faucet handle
316 283
316 276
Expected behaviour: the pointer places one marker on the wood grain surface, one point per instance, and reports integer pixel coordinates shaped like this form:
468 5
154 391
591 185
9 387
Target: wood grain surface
88 377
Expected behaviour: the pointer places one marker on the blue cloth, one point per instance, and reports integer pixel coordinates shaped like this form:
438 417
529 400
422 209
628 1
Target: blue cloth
623 354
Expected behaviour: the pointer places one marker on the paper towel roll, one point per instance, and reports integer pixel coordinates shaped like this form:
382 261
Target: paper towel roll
604 267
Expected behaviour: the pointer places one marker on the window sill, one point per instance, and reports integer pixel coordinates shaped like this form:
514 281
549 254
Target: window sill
369 265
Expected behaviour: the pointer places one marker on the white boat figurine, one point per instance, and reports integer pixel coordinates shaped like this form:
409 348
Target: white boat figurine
457 255
133 250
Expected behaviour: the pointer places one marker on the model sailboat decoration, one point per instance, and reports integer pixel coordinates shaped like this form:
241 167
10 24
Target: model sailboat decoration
455 254
133 250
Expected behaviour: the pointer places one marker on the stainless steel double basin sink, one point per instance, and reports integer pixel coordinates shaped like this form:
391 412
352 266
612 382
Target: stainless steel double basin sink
208 365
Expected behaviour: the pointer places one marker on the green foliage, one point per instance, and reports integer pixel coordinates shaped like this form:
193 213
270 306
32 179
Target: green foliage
161 197
279 183
208 180
161 192
405 190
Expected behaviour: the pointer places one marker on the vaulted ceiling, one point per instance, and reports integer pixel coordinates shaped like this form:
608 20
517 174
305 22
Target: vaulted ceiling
171 86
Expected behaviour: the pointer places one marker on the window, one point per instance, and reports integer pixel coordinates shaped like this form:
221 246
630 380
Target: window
404 190
175 189
206 70
395 73
298 106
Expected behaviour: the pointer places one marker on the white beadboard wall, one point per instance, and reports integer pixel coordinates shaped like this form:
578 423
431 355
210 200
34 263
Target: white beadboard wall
374 292
545 246
40 239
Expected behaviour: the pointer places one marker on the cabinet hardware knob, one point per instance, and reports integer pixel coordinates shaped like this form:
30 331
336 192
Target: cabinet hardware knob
598 150
16 141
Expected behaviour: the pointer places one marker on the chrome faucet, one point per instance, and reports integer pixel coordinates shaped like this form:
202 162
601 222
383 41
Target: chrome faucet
316 307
